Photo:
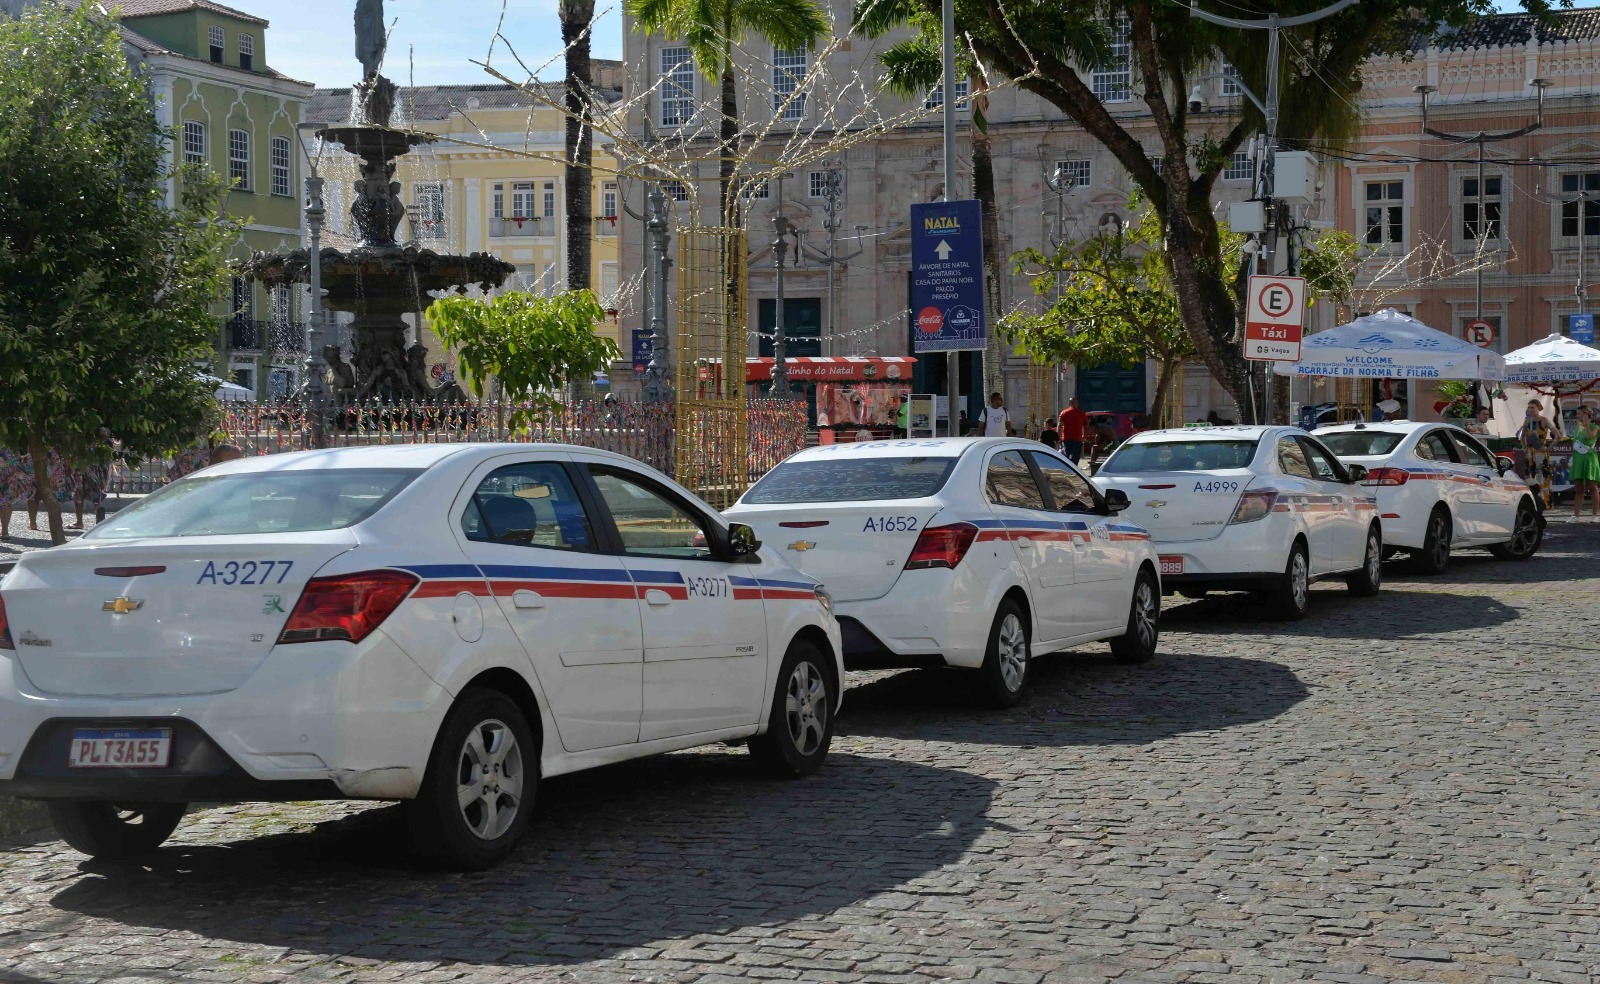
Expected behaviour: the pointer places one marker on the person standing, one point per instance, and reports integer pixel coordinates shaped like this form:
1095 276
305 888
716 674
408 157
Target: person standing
1479 423
1537 438
1050 438
995 421
17 490
1585 468
1104 439
1070 426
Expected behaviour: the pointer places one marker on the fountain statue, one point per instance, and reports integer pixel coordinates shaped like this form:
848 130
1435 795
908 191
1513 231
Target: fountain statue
379 280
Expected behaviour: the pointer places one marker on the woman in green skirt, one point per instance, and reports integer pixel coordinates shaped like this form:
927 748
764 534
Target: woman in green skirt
1585 469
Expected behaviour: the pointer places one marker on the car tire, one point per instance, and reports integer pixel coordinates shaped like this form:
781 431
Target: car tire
1007 658
1369 579
1138 644
485 763
1526 537
115 830
1434 556
1289 597
800 721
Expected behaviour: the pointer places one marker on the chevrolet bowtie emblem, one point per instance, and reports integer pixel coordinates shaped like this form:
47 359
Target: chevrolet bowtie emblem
122 606
1156 503
801 546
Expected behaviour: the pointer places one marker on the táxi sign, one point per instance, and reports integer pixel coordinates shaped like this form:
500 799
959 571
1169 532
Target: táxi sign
1274 320
947 277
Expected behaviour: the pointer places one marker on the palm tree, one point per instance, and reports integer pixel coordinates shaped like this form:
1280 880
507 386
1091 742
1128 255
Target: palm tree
710 29
576 16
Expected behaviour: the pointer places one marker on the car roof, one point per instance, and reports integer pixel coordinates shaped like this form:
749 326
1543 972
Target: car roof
907 447
1403 426
408 456
1233 432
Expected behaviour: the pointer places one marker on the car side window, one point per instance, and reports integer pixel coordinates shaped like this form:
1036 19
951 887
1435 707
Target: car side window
1470 451
1292 458
1070 491
1010 482
529 504
650 523
1323 466
1434 446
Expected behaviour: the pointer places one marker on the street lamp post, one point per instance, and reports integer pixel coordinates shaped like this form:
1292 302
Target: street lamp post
315 214
781 230
658 383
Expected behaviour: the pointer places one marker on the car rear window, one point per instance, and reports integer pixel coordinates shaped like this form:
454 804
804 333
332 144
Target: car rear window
1179 455
856 479
257 503
1364 443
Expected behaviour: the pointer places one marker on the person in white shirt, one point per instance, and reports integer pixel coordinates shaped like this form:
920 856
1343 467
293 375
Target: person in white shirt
994 420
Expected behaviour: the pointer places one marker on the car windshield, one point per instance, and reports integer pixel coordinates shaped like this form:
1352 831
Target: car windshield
1179 455
296 501
1362 443
854 479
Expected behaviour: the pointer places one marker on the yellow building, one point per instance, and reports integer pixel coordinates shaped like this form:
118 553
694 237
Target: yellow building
494 181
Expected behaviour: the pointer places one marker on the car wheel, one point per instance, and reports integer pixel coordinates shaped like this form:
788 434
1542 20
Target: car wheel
1290 595
477 795
115 830
1005 661
1138 644
800 722
1366 582
1527 535
1434 556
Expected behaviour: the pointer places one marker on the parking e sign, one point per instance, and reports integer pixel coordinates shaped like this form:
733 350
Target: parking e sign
1273 323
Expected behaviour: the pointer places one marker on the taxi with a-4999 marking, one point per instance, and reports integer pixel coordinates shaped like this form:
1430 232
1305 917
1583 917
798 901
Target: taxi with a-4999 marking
440 624
965 552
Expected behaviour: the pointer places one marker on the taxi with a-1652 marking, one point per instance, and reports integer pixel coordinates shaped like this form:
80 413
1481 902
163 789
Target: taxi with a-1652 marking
963 552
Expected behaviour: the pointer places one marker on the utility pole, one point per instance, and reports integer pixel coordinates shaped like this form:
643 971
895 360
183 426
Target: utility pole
1272 24
833 208
947 16
658 376
1582 202
781 230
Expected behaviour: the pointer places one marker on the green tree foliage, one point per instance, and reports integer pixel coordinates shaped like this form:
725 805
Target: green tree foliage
105 292
532 345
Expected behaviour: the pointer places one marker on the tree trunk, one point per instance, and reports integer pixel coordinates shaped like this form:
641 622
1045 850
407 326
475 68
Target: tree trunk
44 488
728 145
575 35
983 189
1164 370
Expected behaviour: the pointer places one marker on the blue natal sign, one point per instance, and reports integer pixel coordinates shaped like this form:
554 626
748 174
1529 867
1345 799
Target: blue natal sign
643 348
1580 328
947 277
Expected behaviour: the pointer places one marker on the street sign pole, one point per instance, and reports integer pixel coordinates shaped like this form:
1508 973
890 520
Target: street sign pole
947 301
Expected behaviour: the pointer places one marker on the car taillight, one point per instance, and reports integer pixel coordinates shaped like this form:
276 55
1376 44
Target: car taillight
346 608
5 628
1387 476
1253 505
942 546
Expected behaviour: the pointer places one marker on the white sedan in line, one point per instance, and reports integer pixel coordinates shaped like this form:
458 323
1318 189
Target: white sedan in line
1438 489
1267 509
966 552
440 624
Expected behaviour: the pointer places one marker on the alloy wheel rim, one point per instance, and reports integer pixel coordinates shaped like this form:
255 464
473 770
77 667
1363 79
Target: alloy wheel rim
1441 540
131 815
1526 527
1144 614
489 779
806 708
1301 578
1374 560
1013 652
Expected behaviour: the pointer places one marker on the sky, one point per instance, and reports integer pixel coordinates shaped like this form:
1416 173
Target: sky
433 42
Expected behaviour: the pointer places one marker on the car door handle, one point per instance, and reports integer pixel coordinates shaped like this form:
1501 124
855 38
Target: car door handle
655 596
527 599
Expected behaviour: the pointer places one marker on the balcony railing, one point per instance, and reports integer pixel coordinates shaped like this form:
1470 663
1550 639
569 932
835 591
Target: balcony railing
265 336
525 227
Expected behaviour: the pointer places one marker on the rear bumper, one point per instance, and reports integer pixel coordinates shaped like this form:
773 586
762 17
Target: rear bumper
1248 553
930 618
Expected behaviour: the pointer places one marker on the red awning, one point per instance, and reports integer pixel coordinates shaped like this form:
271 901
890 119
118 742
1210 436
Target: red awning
835 368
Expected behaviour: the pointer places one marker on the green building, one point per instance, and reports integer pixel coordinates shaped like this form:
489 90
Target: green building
208 71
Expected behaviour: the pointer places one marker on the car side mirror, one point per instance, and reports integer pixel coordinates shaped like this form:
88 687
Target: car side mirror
1504 465
742 540
1116 501
1357 473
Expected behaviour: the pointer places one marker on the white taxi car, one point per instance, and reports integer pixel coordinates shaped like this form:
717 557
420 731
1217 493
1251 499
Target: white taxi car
440 624
1267 509
1438 488
966 552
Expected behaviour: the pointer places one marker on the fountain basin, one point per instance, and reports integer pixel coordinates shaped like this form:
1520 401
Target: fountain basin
382 280
377 142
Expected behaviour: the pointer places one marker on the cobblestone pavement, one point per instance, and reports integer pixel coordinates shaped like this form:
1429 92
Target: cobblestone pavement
1404 789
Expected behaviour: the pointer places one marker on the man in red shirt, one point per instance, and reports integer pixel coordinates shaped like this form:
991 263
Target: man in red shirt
1072 422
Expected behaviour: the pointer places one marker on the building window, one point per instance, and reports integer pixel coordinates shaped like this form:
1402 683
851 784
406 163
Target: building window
1573 185
817 184
1489 225
608 209
522 206
1385 223
677 86
499 202
239 158
935 98
280 166
429 216
608 286
247 51
1074 174
1241 167
788 75
1115 83
194 142
675 190
1158 162
761 190
218 43
1232 84
278 297
549 199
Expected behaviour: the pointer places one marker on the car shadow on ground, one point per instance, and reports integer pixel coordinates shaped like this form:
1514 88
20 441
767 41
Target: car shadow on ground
1396 612
626 856
1078 698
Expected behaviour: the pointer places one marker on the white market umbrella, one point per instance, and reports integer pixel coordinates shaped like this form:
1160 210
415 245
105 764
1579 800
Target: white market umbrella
1391 345
1557 359
227 392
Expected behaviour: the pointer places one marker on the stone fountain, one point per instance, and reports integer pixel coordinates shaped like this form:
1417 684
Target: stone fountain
379 280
